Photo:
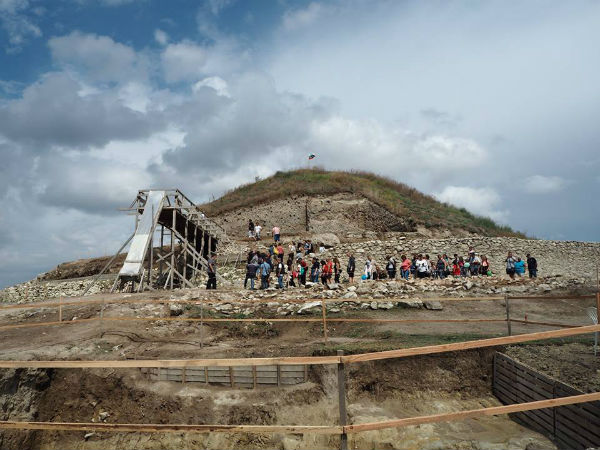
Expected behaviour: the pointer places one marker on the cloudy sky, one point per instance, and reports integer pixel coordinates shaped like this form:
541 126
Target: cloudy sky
489 105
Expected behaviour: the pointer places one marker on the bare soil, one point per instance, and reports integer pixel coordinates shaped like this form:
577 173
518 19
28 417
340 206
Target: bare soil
381 390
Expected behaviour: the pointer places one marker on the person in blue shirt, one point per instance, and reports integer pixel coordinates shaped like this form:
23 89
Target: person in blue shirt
519 267
265 269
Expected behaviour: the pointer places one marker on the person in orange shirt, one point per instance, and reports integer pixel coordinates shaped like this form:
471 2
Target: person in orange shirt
405 267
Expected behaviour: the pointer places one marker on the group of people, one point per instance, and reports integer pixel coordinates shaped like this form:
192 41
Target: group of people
302 264
292 271
516 266
422 266
254 230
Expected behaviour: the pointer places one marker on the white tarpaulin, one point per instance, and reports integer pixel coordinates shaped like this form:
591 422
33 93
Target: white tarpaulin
141 240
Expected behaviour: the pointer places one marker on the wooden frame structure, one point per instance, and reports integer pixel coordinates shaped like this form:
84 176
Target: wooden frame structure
186 238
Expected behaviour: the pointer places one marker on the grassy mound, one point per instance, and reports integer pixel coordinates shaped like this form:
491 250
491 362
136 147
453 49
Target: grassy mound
397 198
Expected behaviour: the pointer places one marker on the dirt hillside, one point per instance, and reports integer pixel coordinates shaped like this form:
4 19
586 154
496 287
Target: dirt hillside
354 200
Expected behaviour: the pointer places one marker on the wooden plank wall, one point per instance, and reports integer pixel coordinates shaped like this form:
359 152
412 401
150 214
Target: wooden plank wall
571 427
241 376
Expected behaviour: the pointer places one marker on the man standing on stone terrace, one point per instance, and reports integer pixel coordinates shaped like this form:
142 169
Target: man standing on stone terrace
250 229
351 267
276 233
531 266
212 272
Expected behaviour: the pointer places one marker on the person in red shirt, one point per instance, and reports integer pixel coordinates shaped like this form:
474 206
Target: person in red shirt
326 271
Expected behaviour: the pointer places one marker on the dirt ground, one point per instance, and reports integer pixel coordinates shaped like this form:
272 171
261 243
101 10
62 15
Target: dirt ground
376 391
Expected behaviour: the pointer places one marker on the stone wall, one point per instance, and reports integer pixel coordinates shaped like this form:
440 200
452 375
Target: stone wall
555 258
34 290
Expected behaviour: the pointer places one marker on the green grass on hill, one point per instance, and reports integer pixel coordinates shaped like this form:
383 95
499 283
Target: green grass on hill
397 198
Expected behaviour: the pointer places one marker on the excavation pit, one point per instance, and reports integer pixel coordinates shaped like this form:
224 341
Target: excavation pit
376 391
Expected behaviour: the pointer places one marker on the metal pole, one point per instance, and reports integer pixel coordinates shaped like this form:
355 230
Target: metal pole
508 324
342 400
107 265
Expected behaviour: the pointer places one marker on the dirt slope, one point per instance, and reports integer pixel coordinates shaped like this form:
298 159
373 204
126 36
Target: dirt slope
406 207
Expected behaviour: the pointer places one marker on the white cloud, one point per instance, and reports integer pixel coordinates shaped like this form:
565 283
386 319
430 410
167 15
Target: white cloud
539 184
99 58
216 6
482 201
17 25
299 18
183 61
393 150
216 83
161 37
53 111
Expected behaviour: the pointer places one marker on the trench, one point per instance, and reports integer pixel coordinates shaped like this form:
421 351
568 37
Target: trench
380 390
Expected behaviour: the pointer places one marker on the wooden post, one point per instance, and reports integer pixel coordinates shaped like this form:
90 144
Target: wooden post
60 309
183 375
201 324
508 324
324 308
173 249
342 400
231 381
206 374
160 264
278 375
185 253
254 382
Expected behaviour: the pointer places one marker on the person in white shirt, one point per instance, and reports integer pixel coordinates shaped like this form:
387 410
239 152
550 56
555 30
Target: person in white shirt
421 266
257 229
368 268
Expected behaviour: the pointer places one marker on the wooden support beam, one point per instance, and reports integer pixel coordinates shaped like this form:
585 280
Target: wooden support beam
342 401
296 429
324 309
390 354
463 415
480 343
167 428
172 249
508 323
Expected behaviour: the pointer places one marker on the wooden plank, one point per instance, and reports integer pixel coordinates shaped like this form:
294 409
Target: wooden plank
169 428
492 342
563 390
577 429
462 415
533 420
568 441
222 362
582 415
548 324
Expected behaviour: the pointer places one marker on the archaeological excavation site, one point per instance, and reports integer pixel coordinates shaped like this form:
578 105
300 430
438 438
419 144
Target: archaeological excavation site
307 310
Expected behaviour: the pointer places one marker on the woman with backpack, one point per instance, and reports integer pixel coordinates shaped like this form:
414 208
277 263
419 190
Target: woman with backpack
391 268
